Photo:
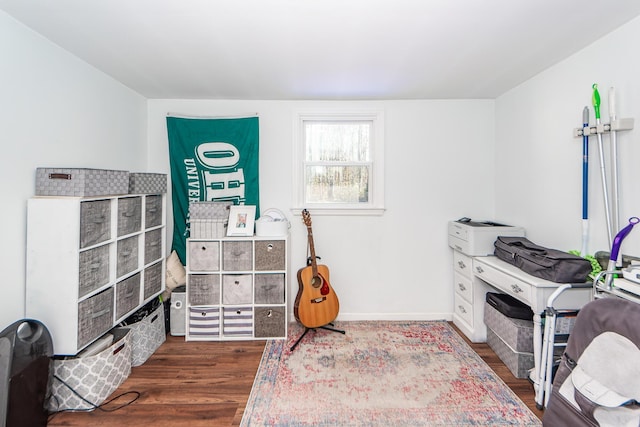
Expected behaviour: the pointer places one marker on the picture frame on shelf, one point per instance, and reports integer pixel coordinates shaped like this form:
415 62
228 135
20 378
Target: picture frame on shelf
241 220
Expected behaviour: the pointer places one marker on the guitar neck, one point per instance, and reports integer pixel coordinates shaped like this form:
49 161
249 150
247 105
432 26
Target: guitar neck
312 250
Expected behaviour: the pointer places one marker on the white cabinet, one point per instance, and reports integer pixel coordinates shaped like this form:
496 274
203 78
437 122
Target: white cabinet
92 261
237 288
468 299
469 239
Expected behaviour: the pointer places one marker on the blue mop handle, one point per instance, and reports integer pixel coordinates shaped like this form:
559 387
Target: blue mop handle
585 164
617 242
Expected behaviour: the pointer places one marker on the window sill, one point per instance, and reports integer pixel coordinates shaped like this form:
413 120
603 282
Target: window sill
333 211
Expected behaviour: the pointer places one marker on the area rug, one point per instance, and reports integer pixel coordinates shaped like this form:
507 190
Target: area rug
380 374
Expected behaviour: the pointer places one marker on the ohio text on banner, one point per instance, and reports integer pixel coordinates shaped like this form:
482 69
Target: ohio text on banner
212 159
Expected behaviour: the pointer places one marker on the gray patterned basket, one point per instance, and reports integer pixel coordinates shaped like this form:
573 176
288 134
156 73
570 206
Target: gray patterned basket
209 210
147 183
207 228
516 333
92 377
147 335
519 363
81 182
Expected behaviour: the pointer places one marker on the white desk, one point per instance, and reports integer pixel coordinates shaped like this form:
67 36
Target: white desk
531 290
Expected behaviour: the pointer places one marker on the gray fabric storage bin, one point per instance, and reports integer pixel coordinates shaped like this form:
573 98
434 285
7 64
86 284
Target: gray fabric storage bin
127 295
237 255
270 255
127 255
147 183
270 322
204 289
153 279
203 255
95 222
237 289
204 322
269 288
153 211
129 215
517 333
94 269
95 316
81 182
237 321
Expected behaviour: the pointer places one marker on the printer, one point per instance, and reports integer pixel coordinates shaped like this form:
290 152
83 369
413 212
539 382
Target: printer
475 238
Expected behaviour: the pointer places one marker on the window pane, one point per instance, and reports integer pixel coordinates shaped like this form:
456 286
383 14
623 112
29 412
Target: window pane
337 141
337 184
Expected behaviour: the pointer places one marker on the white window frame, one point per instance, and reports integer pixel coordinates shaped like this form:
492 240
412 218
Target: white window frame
375 204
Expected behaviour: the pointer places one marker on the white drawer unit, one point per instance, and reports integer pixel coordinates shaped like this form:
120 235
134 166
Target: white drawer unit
91 262
236 288
468 293
469 239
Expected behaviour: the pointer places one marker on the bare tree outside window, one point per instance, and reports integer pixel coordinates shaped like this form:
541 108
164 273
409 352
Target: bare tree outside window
337 161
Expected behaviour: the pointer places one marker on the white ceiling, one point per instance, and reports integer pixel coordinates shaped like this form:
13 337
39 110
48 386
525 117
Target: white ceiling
322 49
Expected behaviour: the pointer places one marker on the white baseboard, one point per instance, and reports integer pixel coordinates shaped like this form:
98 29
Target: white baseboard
346 317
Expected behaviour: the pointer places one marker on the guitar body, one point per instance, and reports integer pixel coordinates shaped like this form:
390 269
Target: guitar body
316 303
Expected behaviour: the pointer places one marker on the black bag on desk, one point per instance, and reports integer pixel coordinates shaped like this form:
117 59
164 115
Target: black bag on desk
548 264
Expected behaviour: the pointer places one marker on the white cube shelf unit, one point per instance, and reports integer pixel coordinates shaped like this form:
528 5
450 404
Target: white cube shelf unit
237 288
91 262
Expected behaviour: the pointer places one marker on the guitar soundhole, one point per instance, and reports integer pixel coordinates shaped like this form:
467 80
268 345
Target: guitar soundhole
316 281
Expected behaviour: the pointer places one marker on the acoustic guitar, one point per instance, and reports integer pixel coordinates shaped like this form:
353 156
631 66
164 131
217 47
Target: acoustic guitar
316 304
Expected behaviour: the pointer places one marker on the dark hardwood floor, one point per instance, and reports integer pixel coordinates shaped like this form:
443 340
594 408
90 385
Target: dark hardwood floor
207 384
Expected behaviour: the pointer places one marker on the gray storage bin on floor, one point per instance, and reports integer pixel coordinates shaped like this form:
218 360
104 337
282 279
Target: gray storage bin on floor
93 378
147 335
518 363
511 339
516 333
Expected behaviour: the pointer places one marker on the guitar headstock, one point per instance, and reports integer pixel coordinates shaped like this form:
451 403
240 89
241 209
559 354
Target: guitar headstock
306 217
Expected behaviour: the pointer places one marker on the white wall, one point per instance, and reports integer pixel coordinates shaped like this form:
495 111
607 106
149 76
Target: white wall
438 167
539 162
55 110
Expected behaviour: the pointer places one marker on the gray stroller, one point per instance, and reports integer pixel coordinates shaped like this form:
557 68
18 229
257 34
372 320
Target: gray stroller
598 380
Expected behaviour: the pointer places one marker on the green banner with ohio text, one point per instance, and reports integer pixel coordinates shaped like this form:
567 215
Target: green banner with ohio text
211 159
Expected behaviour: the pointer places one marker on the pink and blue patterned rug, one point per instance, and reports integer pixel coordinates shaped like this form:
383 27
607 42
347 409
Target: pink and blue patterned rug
380 373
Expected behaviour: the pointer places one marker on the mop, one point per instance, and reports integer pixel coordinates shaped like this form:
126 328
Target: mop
585 181
605 186
614 166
